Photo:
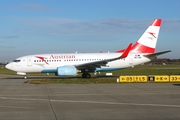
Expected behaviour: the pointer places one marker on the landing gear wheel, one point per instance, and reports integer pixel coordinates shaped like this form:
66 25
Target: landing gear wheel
86 75
83 75
25 77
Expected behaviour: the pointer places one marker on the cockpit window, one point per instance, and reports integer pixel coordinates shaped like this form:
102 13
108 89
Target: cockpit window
16 60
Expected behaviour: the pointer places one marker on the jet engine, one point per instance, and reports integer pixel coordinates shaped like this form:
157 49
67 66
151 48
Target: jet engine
66 70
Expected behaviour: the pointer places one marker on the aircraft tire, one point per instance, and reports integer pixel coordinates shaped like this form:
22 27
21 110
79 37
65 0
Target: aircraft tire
83 75
86 75
25 77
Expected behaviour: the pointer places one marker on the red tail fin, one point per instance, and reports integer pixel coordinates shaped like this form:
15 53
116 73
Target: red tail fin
147 42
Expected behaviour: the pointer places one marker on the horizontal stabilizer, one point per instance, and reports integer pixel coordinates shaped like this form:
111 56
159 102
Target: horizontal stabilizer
157 54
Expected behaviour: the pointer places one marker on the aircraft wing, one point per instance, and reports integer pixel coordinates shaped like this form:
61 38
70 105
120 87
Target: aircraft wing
156 54
98 64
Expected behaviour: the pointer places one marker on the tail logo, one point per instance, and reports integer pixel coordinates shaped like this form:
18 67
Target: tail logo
153 34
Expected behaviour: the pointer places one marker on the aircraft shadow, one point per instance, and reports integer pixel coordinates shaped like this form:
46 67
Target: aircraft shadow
58 77
176 84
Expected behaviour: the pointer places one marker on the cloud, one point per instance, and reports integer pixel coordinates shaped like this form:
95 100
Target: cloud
62 26
104 28
34 7
171 25
5 47
9 37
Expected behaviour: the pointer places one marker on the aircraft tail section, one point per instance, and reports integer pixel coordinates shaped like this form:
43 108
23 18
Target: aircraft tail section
147 42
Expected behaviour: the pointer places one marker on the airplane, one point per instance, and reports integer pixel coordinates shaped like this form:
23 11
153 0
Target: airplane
70 64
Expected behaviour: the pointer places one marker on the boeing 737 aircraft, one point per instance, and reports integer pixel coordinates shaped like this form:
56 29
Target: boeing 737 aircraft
71 64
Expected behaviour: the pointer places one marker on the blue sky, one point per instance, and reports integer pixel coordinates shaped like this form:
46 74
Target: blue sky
66 26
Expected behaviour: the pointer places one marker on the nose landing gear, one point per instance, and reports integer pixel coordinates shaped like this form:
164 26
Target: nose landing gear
25 77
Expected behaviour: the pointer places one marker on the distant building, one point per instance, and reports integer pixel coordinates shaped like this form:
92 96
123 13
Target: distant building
164 61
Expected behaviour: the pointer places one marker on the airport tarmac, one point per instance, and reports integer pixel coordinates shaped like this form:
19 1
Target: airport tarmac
23 101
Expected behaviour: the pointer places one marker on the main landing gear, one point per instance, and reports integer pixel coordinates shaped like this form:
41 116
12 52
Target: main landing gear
86 75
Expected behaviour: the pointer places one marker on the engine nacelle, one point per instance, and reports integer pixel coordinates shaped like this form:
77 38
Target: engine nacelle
66 70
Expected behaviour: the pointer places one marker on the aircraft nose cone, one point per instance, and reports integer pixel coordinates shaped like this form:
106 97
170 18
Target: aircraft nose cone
9 66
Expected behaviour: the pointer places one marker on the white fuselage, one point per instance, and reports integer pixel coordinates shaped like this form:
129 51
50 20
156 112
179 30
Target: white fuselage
48 63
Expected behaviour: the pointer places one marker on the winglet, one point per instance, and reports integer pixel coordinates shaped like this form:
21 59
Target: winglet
126 52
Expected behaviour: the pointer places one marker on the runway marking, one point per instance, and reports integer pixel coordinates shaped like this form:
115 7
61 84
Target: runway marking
94 102
15 107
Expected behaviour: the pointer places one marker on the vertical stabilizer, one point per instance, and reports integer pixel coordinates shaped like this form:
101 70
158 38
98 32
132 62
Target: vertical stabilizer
147 42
